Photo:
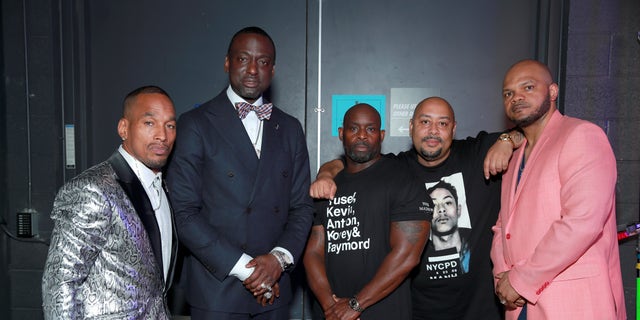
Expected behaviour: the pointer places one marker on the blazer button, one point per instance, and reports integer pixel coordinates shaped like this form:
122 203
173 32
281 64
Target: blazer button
243 247
276 210
230 174
285 174
508 236
248 211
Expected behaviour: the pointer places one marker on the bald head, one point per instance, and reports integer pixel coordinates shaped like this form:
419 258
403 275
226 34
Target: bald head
529 95
531 67
362 109
434 102
361 136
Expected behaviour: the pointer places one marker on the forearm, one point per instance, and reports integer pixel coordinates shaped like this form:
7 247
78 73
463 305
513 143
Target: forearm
330 169
516 137
317 280
408 241
314 265
499 154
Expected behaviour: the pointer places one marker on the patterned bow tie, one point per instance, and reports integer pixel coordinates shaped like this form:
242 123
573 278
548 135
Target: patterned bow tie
263 111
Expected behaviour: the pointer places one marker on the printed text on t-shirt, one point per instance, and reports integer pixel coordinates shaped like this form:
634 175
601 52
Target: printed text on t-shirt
343 226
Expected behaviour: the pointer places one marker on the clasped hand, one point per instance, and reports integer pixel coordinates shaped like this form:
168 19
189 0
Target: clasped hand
263 282
340 310
508 296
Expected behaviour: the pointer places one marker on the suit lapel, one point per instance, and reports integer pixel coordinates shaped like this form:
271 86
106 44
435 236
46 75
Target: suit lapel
174 242
225 120
138 197
548 132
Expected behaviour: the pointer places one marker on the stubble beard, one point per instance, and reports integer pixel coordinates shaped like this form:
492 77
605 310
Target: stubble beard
532 118
155 164
360 156
430 155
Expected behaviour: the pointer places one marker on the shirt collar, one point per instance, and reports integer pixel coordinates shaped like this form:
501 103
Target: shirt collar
143 173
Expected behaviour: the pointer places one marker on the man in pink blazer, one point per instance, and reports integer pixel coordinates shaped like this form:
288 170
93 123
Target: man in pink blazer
555 250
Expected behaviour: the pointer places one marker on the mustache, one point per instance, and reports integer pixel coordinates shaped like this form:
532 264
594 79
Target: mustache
160 144
519 104
361 143
430 137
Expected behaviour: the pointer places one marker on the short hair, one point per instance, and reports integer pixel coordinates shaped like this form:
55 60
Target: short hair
361 105
447 186
131 96
253 30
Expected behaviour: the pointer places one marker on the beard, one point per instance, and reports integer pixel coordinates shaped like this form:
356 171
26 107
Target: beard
154 164
431 155
361 156
542 109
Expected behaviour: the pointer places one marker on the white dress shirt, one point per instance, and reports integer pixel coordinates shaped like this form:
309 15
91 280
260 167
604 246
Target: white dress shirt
159 202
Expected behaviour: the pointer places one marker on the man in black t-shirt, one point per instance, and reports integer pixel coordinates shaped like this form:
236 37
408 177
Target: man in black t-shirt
441 288
368 237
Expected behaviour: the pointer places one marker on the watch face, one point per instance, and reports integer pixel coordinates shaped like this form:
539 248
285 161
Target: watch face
353 303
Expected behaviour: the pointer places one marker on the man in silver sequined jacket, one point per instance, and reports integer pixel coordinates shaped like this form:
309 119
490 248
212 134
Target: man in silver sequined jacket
114 244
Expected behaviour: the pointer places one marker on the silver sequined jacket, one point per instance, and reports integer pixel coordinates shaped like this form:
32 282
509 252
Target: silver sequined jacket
101 263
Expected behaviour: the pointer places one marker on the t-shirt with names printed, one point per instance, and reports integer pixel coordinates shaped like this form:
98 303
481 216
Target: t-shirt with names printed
357 228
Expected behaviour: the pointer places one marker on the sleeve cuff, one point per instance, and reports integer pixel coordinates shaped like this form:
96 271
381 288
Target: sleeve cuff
239 270
286 252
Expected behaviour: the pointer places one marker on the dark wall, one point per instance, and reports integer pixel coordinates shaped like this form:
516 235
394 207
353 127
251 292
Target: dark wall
30 136
72 61
182 48
460 49
602 85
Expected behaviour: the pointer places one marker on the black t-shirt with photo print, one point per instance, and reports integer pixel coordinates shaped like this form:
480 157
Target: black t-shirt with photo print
460 295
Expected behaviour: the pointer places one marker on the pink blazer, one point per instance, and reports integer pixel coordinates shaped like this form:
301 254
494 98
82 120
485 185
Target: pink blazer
556 231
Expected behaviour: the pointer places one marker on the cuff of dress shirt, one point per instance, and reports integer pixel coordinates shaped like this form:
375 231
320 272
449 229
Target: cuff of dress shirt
285 251
239 270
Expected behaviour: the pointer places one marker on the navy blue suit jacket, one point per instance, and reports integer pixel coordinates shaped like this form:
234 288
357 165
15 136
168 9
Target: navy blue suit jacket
227 201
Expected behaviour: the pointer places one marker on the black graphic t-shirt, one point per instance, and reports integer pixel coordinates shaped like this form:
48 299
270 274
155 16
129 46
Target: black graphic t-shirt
456 282
357 228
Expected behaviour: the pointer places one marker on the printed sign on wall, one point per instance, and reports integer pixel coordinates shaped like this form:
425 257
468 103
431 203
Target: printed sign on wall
341 103
403 102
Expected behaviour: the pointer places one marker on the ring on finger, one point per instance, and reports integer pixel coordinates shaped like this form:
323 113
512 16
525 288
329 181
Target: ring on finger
268 295
265 286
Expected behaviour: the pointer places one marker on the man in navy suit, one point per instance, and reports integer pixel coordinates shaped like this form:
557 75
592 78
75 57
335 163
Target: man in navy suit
239 179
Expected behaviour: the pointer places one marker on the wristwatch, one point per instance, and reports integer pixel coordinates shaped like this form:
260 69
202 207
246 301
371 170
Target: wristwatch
507 137
355 305
284 260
